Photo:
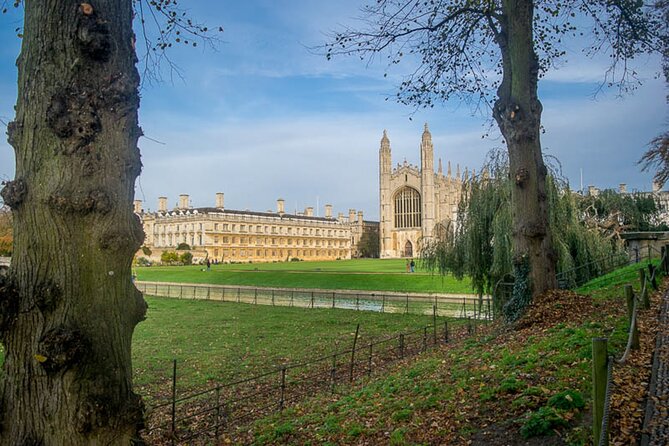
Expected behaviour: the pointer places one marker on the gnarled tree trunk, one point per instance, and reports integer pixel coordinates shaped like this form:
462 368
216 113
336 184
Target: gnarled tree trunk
518 114
68 307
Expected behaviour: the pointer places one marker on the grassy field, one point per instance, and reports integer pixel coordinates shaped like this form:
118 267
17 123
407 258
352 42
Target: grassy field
223 341
365 274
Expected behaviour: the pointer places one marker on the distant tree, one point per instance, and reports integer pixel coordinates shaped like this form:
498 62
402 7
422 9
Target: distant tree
146 251
68 306
613 213
472 48
369 243
657 156
183 247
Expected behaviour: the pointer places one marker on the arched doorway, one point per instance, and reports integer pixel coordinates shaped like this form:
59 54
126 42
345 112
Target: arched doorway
408 249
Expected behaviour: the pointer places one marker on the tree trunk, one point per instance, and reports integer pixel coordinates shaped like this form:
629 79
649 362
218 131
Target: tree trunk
518 114
68 307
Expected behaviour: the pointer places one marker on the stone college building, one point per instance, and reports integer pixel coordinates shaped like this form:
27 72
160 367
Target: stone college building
228 235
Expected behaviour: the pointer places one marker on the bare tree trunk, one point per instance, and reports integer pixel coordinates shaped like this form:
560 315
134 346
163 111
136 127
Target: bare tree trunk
68 308
518 114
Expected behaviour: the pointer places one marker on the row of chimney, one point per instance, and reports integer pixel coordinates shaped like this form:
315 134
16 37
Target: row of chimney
184 203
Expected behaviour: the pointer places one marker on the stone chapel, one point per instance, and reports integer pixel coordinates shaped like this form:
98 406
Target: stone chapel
416 202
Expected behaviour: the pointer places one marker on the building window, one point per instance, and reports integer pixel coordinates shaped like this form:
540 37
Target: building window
407 208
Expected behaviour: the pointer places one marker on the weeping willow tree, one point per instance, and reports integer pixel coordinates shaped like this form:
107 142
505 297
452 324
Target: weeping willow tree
480 244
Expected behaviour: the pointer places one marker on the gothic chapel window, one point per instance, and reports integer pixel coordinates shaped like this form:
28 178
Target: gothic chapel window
407 208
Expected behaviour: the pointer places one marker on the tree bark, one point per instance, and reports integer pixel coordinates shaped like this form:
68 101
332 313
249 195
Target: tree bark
68 307
518 114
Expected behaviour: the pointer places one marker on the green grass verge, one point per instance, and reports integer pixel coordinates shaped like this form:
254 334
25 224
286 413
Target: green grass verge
611 284
370 275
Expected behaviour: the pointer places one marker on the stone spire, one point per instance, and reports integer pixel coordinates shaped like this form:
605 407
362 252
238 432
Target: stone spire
449 169
385 142
427 136
441 170
457 172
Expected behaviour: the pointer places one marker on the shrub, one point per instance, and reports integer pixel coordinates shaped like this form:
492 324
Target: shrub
169 257
567 400
143 261
542 422
183 247
186 258
146 250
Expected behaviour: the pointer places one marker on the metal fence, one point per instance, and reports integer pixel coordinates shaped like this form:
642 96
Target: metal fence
574 277
462 306
218 412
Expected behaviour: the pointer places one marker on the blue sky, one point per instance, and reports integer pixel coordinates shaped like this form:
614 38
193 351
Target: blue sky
262 117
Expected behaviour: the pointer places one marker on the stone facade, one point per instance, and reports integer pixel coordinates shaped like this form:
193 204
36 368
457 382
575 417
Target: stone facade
415 201
226 235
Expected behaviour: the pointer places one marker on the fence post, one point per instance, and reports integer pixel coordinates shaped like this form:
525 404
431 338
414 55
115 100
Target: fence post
333 371
357 302
272 297
407 307
383 303
424 339
599 382
369 364
208 293
282 395
218 411
255 296
238 294
653 276
181 292
174 401
401 345
312 299
629 298
445 332
292 297
355 341
434 324
469 325
333 299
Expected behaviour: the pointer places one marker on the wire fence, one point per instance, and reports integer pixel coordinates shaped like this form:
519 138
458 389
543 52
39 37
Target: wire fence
220 411
461 306
603 364
575 277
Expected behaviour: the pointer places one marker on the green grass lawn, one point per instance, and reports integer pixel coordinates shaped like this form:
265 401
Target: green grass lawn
504 379
222 341
366 274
